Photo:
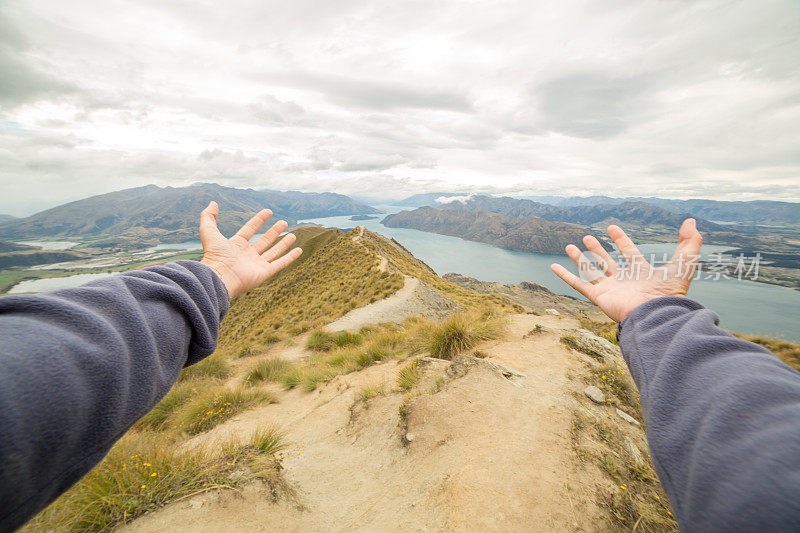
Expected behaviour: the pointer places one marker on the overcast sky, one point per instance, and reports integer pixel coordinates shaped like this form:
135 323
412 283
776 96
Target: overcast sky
389 98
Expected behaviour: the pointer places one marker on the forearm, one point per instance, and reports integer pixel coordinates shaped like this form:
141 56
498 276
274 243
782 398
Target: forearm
722 415
78 367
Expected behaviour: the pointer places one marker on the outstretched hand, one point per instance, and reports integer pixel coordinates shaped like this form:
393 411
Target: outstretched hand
617 290
240 265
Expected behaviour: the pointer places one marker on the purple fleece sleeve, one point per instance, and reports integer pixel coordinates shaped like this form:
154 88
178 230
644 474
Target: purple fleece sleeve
722 415
78 367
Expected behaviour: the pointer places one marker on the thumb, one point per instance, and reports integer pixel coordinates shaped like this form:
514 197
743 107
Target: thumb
208 223
689 242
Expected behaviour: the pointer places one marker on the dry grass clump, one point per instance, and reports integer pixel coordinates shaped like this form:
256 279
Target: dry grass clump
214 366
571 342
181 393
788 352
606 330
215 406
408 376
371 391
639 502
323 341
615 379
144 471
271 369
459 333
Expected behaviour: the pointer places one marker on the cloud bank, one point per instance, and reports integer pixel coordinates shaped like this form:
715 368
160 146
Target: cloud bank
384 99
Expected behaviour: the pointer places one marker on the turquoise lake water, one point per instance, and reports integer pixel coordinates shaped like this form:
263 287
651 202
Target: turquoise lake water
744 306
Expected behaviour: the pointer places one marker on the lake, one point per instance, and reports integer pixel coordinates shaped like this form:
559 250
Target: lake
745 306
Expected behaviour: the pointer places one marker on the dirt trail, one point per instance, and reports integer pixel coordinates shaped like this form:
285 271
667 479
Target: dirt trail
414 298
475 452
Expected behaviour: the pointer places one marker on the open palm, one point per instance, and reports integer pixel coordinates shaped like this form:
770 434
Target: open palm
618 290
240 265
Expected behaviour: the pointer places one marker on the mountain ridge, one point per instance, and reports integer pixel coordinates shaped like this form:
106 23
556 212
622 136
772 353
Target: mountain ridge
524 233
169 214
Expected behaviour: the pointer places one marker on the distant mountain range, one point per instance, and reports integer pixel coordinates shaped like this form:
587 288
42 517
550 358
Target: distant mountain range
524 233
6 218
750 212
170 214
630 214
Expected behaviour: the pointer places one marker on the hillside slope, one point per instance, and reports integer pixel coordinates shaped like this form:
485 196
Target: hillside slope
525 233
473 421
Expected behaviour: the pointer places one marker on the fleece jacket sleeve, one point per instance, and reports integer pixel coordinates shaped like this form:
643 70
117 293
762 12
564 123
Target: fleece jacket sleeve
722 415
79 366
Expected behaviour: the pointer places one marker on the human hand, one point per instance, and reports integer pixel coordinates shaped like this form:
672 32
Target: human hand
240 265
616 290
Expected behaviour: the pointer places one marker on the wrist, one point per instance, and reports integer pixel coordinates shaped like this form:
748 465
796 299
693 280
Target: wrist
225 275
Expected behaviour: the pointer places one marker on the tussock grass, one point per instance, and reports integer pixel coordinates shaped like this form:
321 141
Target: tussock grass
268 440
371 391
271 369
214 366
614 379
459 333
638 501
292 378
146 470
142 472
315 375
215 406
178 396
606 330
323 341
408 376
571 342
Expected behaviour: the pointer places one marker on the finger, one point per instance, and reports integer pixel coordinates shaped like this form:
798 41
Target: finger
626 247
571 279
208 223
586 268
278 250
689 242
250 228
269 237
603 258
284 261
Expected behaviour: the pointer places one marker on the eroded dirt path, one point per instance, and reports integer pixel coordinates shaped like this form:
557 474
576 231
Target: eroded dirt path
475 451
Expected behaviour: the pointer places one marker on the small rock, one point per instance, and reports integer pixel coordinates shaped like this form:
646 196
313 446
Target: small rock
594 394
236 419
236 475
196 504
627 418
552 312
634 452
410 437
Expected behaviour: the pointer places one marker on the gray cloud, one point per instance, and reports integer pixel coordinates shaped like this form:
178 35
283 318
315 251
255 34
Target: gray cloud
594 104
379 98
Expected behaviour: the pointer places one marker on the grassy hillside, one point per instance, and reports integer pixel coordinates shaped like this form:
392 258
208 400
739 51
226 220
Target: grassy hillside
333 276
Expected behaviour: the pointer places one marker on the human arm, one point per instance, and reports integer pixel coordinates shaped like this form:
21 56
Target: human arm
79 366
722 414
